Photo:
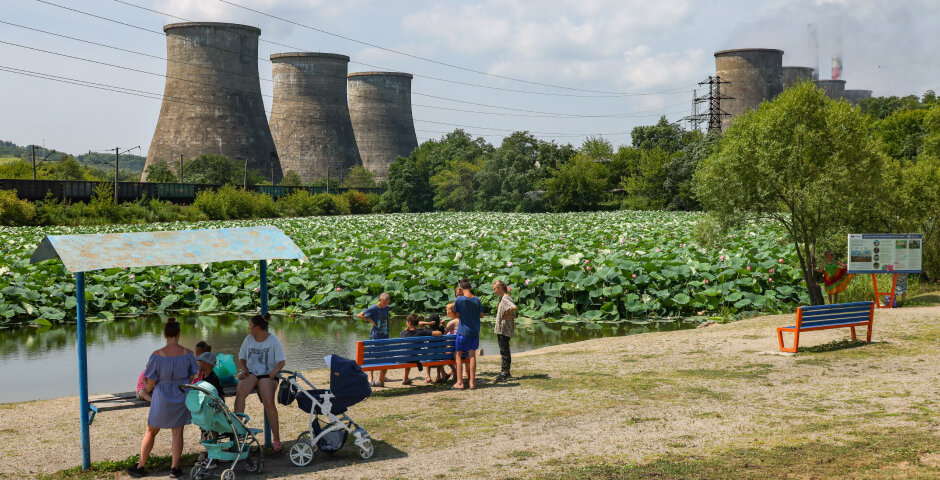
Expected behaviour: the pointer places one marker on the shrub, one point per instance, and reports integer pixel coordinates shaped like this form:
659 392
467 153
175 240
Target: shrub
230 203
300 203
14 211
342 204
325 204
358 202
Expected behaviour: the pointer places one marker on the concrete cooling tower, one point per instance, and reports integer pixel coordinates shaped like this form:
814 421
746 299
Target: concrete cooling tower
834 88
795 75
380 108
853 96
756 74
212 100
310 117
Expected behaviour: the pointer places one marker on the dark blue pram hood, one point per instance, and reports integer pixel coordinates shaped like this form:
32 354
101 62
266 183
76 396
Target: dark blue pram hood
348 384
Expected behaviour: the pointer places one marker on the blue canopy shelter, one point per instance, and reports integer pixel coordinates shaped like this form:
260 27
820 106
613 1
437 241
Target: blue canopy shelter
83 253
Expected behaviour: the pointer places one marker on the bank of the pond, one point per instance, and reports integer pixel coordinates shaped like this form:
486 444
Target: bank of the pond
703 403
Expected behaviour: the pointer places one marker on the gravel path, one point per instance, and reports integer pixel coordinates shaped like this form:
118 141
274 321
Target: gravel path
636 397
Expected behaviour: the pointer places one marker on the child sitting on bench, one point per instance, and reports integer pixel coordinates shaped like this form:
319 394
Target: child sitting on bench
414 322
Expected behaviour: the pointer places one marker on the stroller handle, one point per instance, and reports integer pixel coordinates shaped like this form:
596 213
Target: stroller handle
280 374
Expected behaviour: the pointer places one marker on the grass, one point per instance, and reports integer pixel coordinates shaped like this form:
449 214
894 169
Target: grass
886 453
108 468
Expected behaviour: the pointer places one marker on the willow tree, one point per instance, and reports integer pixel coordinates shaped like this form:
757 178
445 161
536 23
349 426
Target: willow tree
802 160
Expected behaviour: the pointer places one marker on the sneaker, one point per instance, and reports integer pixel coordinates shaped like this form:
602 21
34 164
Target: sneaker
176 472
500 378
137 472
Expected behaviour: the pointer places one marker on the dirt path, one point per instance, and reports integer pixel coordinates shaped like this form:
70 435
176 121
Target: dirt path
629 399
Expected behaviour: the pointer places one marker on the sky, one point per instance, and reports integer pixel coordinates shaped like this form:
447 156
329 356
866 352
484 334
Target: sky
564 70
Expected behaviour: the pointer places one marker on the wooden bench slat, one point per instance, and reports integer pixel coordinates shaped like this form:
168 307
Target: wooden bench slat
821 317
409 359
124 400
392 353
409 340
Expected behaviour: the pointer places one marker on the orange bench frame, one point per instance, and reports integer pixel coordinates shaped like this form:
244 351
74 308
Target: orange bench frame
797 328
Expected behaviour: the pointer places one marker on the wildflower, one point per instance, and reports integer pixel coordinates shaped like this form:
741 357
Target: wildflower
634 275
771 271
770 280
132 276
706 281
657 250
508 264
197 291
721 258
527 281
171 287
780 261
749 268
339 289
256 290
508 288
279 269
586 261
405 244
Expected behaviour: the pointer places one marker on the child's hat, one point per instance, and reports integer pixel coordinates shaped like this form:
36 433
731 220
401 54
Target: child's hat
207 357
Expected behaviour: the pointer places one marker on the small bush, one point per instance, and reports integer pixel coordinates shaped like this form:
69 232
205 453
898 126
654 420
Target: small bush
300 203
232 203
325 204
13 211
342 204
358 202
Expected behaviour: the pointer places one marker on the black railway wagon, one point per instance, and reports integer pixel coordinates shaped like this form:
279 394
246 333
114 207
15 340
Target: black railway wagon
176 192
131 191
33 190
78 190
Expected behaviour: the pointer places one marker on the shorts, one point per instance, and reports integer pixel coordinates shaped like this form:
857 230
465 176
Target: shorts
374 335
467 344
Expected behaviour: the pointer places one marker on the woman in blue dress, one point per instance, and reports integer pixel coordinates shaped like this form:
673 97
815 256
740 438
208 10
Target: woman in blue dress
167 369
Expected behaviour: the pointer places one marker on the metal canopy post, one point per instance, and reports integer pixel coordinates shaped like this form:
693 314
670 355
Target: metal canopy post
82 370
263 285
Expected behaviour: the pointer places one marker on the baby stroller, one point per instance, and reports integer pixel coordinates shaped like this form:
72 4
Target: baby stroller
348 386
225 435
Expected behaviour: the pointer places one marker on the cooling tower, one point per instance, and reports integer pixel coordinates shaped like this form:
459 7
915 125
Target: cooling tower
756 74
795 75
853 96
833 88
212 100
310 118
380 108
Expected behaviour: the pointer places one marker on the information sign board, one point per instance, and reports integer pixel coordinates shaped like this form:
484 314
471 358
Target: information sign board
885 252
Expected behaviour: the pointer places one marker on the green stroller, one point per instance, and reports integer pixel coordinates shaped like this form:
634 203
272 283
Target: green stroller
225 435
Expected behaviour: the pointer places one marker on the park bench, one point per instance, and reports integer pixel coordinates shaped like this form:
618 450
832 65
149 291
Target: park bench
124 400
821 317
411 352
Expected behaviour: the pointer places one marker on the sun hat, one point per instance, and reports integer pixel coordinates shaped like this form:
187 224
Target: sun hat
207 357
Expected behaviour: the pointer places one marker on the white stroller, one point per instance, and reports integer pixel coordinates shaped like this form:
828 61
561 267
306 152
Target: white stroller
349 385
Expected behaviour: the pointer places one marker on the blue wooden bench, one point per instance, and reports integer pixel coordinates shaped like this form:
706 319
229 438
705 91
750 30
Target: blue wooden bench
409 352
821 317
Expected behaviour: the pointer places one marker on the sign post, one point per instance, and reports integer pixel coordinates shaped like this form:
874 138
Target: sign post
891 253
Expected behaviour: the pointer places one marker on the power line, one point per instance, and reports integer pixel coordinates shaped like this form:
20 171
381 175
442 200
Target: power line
416 93
155 96
641 113
675 91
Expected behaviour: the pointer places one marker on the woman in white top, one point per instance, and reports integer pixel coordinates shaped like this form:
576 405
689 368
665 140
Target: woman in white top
260 359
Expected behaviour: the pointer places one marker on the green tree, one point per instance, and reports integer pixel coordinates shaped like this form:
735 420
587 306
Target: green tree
664 135
408 185
644 187
359 177
802 160
218 170
579 184
902 133
291 179
455 186
69 169
518 166
680 169
160 172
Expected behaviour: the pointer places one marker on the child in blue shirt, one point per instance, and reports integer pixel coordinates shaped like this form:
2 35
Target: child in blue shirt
468 332
378 315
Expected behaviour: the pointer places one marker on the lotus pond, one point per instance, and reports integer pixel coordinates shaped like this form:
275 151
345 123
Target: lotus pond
39 362
597 266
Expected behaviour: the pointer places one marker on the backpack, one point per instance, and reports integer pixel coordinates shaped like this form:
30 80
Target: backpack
287 391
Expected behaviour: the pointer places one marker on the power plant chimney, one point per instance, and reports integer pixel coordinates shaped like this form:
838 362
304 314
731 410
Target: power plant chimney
310 117
853 96
212 100
756 74
380 108
834 89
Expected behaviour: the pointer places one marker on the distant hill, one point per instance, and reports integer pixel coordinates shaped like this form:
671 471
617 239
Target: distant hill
130 163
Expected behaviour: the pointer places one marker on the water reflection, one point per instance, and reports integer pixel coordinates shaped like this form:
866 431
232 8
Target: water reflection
39 363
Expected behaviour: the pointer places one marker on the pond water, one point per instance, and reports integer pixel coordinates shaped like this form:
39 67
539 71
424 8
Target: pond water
41 363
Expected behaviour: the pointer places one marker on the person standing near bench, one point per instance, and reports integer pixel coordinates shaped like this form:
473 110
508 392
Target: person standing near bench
378 315
168 369
260 358
505 327
468 333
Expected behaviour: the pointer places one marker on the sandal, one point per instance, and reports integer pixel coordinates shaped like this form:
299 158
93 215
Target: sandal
445 378
406 382
376 383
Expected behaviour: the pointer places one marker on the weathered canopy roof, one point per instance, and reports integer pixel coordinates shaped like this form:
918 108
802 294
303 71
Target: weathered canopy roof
82 253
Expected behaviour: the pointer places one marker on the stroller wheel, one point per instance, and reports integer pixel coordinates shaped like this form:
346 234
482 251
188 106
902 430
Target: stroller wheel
301 454
366 450
227 475
197 473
